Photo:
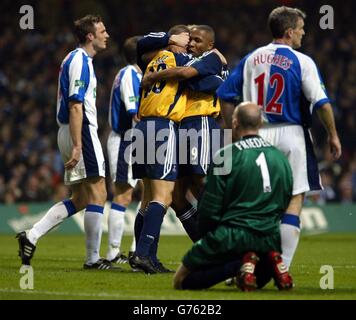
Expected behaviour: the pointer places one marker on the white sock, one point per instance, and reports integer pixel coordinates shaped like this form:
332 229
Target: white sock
92 226
54 216
116 223
289 237
133 244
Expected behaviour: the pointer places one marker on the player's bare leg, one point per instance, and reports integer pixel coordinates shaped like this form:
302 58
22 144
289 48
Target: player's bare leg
162 191
296 204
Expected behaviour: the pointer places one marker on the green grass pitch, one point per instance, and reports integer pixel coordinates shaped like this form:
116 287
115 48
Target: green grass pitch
58 272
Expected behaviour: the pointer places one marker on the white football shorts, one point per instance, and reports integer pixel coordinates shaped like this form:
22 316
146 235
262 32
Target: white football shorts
296 143
91 162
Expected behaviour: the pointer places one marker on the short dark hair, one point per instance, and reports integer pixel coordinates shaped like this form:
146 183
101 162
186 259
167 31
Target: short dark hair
85 25
209 30
283 18
179 28
129 49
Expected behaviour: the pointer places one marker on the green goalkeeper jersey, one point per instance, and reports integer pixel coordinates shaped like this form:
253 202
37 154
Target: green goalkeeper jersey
253 195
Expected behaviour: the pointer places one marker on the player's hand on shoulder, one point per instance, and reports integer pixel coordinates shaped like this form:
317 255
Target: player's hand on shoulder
180 40
221 56
76 152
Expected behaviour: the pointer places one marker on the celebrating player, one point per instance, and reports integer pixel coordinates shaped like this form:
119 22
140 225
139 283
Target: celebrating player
198 126
162 106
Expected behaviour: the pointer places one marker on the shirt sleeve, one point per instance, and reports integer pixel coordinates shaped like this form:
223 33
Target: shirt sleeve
129 89
182 59
152 41
231 89
209 64
78 78
207 84
312 84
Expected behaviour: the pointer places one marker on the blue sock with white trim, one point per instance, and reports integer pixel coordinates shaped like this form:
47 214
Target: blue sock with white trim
92 226
116 223
290 233
152 222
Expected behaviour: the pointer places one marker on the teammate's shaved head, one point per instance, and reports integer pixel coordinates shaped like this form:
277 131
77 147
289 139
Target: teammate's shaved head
248 116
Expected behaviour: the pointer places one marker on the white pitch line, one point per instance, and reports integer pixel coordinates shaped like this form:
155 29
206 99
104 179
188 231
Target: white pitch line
334 266
83 294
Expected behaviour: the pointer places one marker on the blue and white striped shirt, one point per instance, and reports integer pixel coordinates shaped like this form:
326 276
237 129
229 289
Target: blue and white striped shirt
285 82
124 99
77 82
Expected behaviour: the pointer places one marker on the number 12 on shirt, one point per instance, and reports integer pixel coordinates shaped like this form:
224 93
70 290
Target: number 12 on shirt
276 82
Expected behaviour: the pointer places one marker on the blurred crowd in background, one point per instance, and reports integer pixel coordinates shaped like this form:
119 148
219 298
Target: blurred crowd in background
31 168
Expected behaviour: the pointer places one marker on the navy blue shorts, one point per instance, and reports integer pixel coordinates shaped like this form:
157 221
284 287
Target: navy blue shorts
155 149
200 137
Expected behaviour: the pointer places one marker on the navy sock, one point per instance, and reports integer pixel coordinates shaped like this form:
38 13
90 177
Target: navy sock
153 251
188 218
208 277
138 224
152 222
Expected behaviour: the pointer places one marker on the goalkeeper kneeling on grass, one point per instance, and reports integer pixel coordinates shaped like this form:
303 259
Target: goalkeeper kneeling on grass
239 213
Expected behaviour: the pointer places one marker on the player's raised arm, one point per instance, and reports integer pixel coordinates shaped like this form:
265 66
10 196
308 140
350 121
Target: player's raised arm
150 44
